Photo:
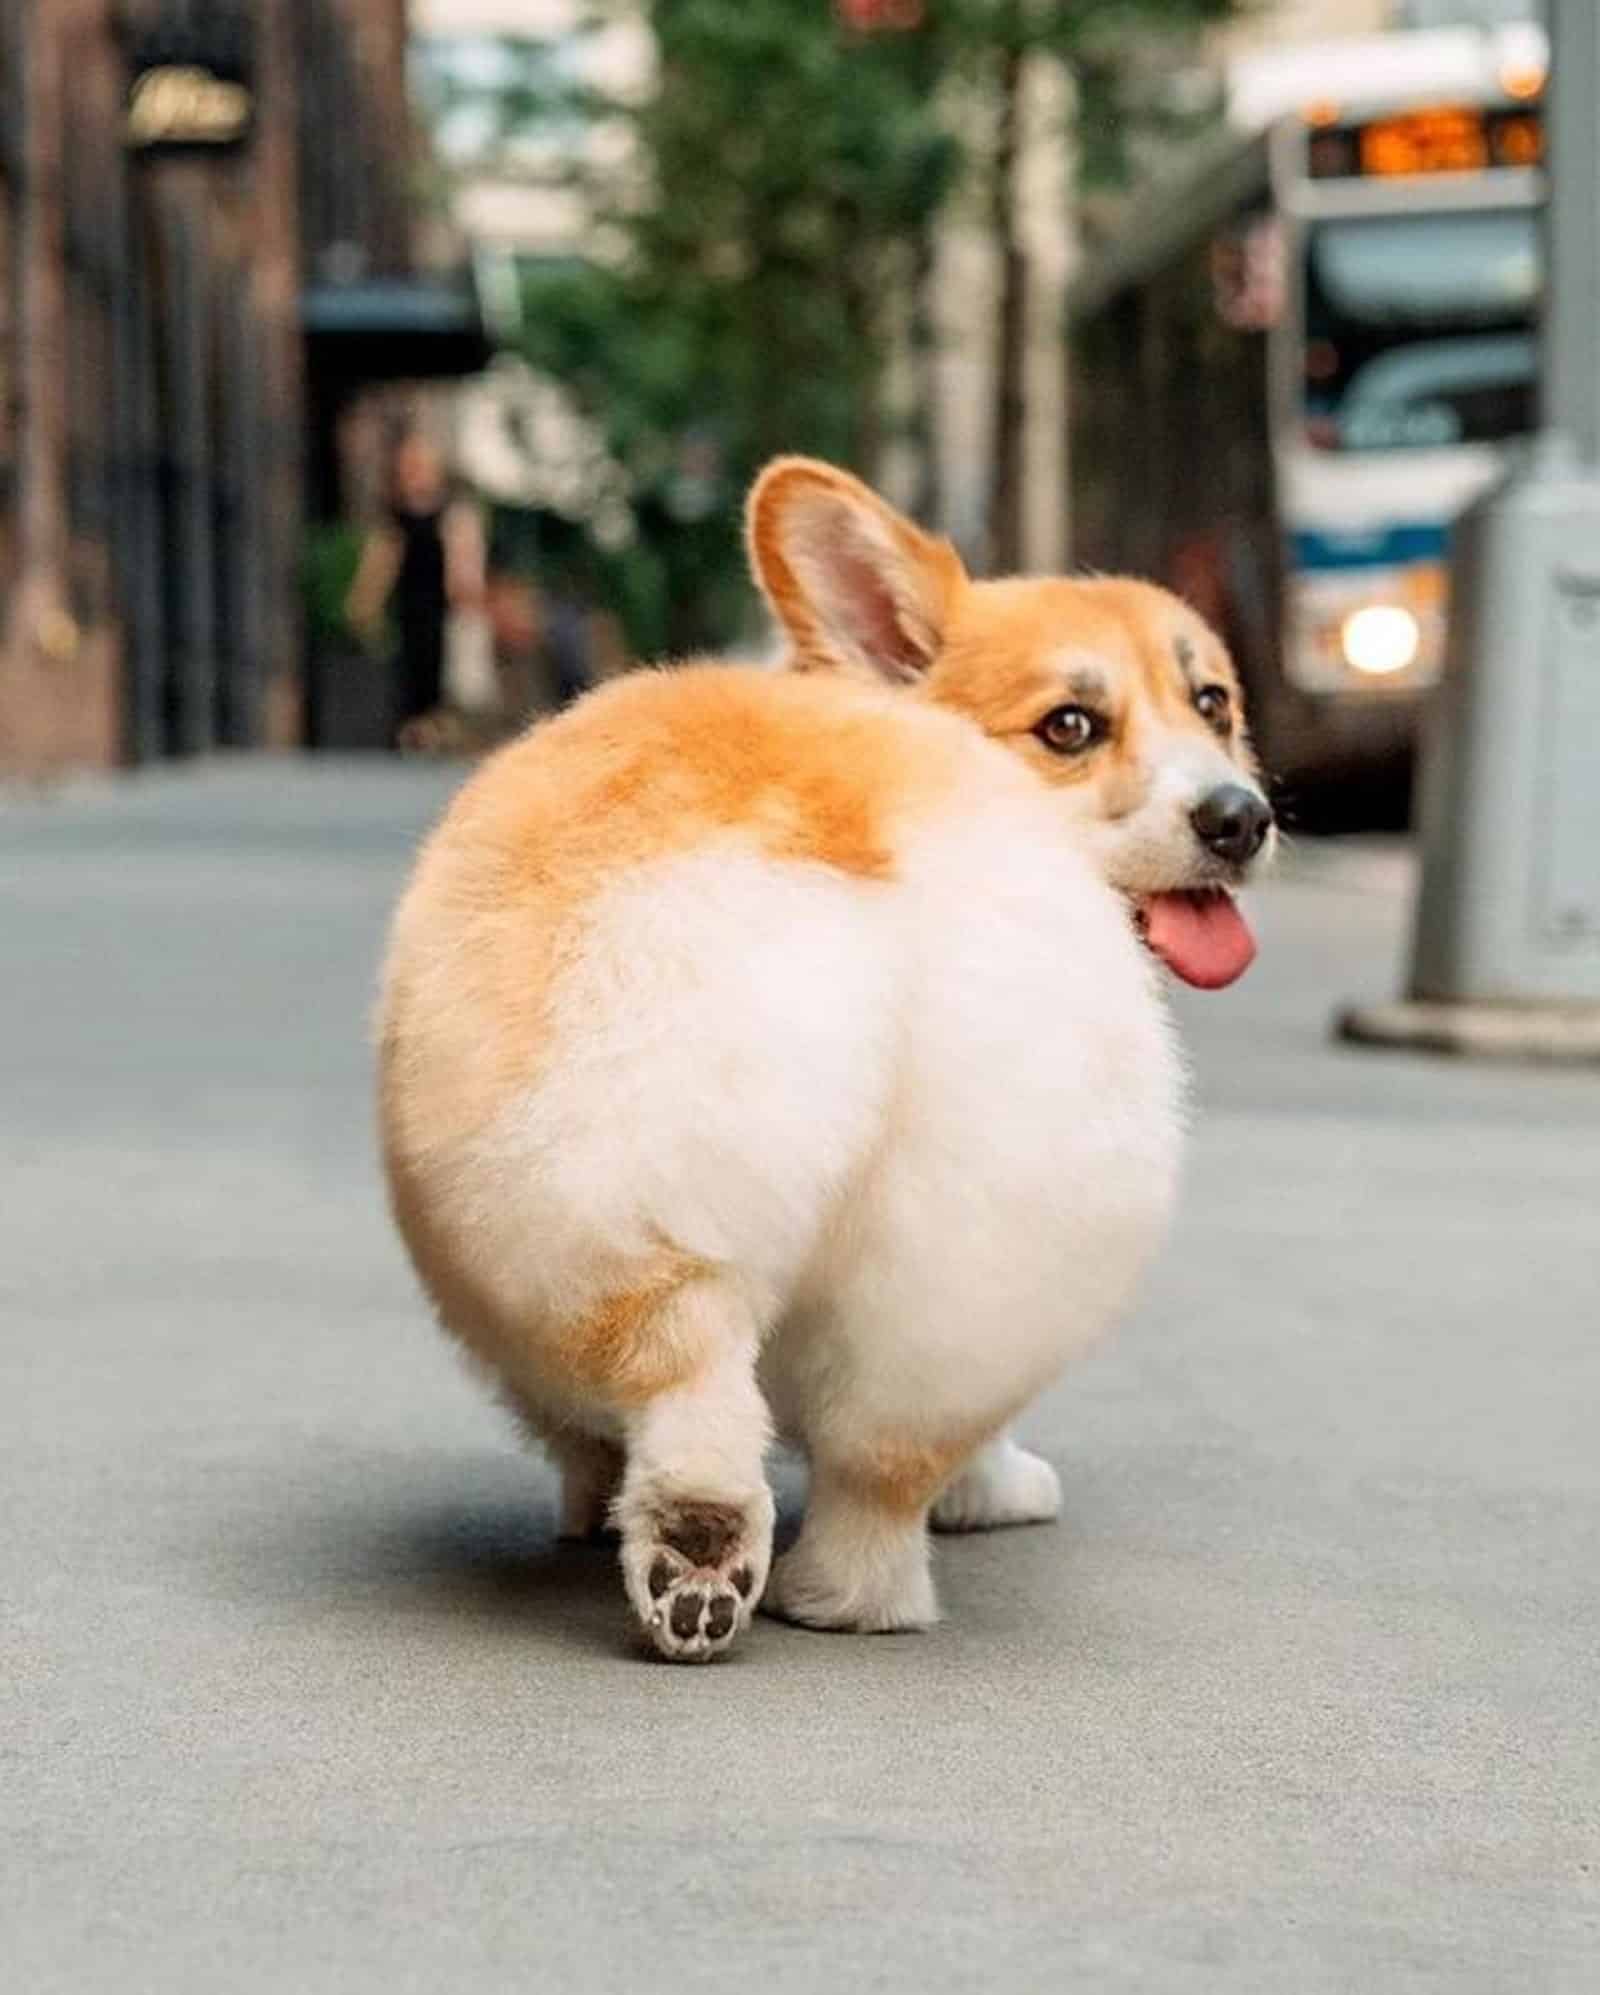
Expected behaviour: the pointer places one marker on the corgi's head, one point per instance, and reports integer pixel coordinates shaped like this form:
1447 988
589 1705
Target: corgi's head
1113 692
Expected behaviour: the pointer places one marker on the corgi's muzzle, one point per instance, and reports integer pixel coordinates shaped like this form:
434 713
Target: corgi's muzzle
1199 932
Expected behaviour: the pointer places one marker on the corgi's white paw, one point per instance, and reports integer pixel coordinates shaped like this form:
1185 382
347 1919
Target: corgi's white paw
1002 1485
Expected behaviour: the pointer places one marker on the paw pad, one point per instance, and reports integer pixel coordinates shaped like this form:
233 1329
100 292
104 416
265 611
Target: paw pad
700 1567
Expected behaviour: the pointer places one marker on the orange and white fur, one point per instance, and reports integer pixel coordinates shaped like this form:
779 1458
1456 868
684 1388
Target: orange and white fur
784 1052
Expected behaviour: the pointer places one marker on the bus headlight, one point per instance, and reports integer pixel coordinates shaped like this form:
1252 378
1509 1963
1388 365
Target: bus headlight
1380 639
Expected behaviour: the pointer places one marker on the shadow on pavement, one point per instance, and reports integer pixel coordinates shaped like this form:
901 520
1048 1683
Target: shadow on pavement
464 1540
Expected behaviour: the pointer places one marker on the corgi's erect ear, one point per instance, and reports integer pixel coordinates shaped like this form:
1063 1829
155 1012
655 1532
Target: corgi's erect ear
852 582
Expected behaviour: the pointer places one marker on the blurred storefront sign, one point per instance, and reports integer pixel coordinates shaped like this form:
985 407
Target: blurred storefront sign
183 104
191 75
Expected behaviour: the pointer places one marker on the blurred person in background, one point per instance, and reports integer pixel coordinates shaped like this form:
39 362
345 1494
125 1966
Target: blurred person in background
421 563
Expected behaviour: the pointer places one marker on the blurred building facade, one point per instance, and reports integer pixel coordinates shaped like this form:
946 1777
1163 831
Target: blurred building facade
206 250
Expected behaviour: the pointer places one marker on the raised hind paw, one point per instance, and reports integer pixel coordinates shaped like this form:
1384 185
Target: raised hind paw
695 1568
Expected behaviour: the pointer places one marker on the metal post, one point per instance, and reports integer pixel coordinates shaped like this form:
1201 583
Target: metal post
1571 349
1506 949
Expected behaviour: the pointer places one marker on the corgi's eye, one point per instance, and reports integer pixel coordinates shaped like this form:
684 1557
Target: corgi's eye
1070 730
1214 707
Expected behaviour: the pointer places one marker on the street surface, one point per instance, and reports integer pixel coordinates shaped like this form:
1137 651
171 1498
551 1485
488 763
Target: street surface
298 1697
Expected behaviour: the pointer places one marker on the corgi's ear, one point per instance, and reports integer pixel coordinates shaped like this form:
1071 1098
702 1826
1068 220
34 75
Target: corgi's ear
852 582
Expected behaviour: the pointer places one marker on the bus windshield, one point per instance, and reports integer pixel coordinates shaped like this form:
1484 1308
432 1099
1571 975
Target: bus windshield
1419 329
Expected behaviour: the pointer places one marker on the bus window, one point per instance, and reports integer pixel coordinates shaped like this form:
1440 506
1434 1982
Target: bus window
1418 329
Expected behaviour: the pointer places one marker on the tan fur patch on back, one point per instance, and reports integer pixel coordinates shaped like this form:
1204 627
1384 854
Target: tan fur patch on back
806 769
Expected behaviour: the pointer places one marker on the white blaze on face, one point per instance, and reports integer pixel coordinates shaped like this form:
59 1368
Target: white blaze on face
1155 856
1154 846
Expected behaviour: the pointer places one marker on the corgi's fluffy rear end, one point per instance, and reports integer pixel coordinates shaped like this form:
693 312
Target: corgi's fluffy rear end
785 1051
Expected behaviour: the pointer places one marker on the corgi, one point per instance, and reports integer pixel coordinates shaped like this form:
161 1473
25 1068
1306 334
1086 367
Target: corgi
785 1054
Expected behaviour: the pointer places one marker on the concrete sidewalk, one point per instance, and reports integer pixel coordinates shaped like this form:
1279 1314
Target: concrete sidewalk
1303 1696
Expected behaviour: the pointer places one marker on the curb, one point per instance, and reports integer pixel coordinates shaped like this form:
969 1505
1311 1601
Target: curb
1553 1035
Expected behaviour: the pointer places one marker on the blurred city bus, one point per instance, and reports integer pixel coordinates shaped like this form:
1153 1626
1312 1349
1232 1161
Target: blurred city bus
1299 362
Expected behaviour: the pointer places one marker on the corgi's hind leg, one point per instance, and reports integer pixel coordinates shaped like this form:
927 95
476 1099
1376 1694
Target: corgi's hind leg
695 1510
1002 1484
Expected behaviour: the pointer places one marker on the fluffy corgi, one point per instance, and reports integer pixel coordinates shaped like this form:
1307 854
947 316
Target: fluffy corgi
785 1052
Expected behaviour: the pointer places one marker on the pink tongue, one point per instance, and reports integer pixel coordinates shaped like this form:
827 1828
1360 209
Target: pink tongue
1202 938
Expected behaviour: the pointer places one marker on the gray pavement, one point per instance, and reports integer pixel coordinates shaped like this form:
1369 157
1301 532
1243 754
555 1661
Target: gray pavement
296 1693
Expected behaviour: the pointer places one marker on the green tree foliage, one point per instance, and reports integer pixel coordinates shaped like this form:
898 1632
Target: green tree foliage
791 162
791 168
787 169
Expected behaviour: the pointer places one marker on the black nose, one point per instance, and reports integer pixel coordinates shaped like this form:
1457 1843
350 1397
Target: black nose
1233 822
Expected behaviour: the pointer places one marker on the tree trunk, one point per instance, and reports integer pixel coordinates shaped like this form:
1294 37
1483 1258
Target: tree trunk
923 340
855 262
1005 461
861 317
